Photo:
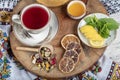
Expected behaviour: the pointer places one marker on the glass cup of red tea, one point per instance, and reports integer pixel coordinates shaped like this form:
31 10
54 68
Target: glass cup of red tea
34 18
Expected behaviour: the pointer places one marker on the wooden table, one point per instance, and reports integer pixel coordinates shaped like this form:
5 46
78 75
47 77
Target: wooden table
66 26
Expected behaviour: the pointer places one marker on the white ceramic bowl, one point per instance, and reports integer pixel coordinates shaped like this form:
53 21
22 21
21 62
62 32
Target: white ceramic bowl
85 40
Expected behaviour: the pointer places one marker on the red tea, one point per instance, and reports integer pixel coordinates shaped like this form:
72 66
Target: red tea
35 18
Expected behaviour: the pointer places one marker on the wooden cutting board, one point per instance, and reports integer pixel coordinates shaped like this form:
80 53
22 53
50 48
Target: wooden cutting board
66 25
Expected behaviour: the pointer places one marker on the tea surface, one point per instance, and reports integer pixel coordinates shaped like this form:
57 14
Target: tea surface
76 9
35 18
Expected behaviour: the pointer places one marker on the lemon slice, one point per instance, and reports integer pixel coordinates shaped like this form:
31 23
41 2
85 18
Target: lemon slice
90 32
97 43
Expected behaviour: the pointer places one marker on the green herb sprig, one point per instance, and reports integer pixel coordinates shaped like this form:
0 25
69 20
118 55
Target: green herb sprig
103 25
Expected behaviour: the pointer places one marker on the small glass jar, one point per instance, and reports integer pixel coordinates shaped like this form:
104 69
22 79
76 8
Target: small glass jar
76 9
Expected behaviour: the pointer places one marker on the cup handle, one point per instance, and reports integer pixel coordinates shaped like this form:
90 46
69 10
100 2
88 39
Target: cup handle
16 18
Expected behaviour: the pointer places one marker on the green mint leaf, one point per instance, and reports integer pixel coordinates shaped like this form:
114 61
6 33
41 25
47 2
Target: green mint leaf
111 23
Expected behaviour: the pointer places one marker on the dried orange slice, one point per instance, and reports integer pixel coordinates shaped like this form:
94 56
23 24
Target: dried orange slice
74 46
68 39
72 54
66 65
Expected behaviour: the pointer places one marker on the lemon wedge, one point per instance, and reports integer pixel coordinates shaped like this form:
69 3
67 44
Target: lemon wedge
90 32
97 43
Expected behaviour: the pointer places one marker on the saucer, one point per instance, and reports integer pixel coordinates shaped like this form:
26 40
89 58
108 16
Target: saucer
37 39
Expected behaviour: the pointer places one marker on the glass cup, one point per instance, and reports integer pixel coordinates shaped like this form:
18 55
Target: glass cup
76 9
34 18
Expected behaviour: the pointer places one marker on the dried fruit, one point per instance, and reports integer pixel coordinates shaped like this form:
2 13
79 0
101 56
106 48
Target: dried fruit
68 39
66 65
53 61
39 60
47 64
46 60
45 52
43 64
73 55
75 46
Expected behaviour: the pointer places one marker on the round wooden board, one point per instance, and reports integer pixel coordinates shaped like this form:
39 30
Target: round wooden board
66 25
